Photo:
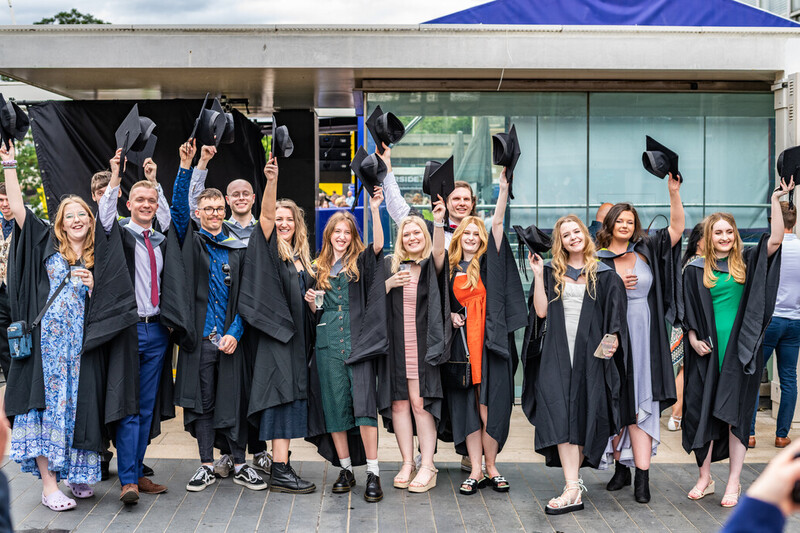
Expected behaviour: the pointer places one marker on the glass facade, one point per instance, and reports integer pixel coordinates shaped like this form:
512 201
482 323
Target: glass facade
582 149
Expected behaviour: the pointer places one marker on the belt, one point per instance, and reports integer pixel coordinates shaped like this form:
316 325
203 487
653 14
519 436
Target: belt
150 319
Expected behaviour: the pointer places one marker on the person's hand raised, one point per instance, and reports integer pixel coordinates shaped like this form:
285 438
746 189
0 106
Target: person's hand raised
271 168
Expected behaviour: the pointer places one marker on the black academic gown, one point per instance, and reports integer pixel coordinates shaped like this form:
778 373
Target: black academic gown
506 312
164 408
184 304
577 403
663 259
369 343
433 314
281 324
713 400
108 384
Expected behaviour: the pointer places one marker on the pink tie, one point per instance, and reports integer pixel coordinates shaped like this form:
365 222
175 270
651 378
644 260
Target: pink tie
153 269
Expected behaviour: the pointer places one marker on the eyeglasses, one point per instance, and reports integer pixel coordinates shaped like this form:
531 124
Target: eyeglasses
226 269
208 210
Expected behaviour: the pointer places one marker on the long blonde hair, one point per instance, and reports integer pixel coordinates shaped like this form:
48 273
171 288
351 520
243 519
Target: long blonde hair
561 256
400 252
736 266
349 259
87 254
456 252
299 243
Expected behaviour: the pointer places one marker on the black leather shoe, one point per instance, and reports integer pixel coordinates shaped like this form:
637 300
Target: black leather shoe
104 473
345 480
621 477
283 478
147 471
373 492
641 486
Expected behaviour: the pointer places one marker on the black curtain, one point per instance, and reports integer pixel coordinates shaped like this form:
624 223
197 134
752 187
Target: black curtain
76 139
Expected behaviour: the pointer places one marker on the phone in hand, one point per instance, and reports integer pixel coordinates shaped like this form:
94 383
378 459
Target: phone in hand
605 344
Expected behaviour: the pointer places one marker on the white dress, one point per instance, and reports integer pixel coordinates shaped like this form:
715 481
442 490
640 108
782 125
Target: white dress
572 300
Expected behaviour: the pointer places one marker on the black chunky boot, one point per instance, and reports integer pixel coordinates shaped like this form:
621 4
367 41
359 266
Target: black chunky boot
373 492
621 477
641 486
283 478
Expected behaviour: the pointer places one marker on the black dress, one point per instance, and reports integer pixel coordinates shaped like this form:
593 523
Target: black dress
578 402
717 399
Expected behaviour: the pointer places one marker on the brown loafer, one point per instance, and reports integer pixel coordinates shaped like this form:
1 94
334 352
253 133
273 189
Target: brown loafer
751 443
129 494
782 442
148 487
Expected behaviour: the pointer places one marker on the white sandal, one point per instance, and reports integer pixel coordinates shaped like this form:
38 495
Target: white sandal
674 423
564 505
403 483
417 487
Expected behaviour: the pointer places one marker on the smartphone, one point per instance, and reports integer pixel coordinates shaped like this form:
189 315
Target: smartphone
607 342
707 340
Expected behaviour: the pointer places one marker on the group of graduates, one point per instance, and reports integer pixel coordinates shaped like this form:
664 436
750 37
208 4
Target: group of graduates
273 346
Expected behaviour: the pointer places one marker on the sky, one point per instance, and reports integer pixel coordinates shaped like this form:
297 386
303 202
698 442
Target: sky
239 11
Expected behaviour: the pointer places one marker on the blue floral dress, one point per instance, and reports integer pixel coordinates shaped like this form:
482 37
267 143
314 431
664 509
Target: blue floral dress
49 433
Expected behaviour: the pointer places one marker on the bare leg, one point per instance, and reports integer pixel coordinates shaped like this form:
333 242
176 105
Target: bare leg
340 443
490 446
571 456
705 470
426 430
280 450
677 407
369 436
642 445
404 433
475 451
737 453
49 483
615 443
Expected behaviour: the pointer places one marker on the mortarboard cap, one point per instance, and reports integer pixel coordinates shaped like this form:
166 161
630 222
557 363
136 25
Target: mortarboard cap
438 179
659 160
228 134
788 165
135 137
506 152
282 145
535 239
14 123
370 171
385 128
209 126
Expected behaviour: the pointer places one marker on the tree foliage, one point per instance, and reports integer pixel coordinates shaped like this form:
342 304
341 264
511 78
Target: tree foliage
72 17
30 180
433 124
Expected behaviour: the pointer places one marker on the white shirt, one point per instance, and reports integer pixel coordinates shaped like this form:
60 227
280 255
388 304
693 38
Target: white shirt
397 207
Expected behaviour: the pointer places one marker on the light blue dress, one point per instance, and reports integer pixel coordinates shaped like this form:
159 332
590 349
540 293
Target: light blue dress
49 433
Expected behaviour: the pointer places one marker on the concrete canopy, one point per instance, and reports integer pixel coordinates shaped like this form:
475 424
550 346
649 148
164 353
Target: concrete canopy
307 67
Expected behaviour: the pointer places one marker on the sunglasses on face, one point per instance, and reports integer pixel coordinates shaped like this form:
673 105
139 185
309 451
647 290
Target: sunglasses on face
226 269
213 210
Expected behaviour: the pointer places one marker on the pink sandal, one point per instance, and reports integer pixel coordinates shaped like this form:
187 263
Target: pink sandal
81 490
58 502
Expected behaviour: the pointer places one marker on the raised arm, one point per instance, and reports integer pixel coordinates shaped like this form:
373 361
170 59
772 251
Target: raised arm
439 211
107 204
500 211
198 183
396 205
267 218
677 219
15 200
776 225
377 227
180 191
162 212
539 294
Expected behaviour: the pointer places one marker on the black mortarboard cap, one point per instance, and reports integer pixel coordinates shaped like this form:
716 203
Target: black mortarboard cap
535 239
439 179
506 152
385 128
369 169
228 134
14 123
659 160
135 137
282 144
209 126
788 165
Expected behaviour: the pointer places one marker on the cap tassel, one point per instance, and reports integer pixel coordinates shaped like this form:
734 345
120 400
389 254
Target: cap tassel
358 195
521 253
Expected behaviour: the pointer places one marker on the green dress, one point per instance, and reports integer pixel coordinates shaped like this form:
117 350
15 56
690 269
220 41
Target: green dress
333 348
725 297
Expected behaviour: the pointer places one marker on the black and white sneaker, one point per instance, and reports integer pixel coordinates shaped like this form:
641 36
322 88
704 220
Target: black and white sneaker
263 461
247 477
223 466
201 479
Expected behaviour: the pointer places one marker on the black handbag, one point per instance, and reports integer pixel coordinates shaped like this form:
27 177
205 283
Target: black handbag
457 372
20 340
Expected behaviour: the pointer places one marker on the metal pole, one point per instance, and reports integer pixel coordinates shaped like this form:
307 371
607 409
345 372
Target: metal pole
11 8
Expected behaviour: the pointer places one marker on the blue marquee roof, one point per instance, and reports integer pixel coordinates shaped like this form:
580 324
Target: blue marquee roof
728 13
